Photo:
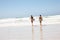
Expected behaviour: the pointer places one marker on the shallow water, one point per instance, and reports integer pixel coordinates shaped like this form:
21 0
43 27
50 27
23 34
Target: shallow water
47 32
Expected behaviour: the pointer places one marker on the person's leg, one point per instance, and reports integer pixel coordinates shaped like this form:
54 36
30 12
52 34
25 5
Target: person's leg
32 23
40 23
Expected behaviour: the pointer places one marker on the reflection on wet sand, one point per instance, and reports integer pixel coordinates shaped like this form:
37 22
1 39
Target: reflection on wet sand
41 33
32 33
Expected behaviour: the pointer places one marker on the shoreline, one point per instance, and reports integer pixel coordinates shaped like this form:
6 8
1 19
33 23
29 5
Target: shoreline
48 32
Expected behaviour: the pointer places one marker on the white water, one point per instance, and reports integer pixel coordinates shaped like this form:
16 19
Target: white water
26 21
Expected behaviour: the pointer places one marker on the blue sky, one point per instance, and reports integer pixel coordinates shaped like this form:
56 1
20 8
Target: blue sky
25 8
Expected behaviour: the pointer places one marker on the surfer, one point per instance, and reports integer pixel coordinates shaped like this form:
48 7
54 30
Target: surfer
32 19
40 19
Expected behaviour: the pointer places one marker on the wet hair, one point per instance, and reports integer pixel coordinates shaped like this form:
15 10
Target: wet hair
31 16
40 15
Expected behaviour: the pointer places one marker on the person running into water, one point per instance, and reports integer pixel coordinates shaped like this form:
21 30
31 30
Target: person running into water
40 19
32 19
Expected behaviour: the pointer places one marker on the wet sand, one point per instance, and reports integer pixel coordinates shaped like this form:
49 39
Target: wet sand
46 32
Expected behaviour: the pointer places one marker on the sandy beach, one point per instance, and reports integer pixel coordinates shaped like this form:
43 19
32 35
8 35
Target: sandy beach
48 32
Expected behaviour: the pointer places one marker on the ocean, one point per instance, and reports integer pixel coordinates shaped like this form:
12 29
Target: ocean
21 28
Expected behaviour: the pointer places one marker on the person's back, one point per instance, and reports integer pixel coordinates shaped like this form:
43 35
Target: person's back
32 19
40 19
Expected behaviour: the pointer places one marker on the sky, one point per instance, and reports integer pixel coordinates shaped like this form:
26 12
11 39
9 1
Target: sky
25 8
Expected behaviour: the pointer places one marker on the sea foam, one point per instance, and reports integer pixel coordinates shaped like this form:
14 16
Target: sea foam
26 21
